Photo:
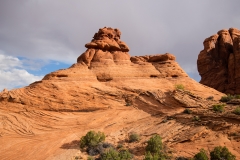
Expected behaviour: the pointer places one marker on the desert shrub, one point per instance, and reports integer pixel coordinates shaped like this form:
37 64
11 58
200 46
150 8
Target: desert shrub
218 107
221 153
237 111
202 155
187 111
154 149
107 145
99 149
125 155
226 98
149 156
154 144
112 154
134 137
128 104
181 158
196 118
119 146
179 86
91 139
237 96
95 150
90 158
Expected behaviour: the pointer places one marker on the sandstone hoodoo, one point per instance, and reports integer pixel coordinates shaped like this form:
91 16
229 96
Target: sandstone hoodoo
105 47
109 91
219 61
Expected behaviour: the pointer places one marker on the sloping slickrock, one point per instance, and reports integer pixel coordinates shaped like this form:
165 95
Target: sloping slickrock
218 64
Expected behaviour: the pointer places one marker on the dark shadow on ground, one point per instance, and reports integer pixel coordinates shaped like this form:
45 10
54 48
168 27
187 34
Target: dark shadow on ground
72 145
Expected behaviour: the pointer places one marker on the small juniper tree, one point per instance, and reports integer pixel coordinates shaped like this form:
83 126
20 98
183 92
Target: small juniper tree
202 155
221 153
92 138
154 149
154 144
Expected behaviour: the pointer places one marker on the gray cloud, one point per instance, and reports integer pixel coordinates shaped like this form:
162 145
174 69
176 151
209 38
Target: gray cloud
58 29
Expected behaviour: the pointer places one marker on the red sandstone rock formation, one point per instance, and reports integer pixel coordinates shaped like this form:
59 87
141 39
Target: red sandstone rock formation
105 47
46 119
219 62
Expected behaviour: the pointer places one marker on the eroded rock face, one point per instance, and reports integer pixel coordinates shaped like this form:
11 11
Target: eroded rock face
164 63
219 62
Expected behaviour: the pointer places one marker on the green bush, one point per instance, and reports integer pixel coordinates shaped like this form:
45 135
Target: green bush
187 111
90 158
154 149
134 137
219 107
196 118
112 154
92 138
237 96
222 153
125 155
227 98
237 111
119 146
128 103
179 86
154 144
149 156
202 155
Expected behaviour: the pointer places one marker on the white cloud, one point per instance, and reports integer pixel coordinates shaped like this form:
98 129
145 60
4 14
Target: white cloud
13 74
8 62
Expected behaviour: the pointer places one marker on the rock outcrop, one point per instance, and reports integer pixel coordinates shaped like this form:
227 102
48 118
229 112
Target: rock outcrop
105 47
219 62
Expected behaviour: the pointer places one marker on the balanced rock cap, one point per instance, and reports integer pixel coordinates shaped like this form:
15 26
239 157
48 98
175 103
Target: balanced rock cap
107 39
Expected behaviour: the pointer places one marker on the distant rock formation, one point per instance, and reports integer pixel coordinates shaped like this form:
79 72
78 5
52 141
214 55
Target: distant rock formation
219 62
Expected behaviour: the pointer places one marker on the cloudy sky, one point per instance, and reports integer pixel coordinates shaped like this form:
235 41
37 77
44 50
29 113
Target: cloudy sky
40 36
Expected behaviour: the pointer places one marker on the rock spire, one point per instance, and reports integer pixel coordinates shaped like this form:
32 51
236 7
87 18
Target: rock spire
219 62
